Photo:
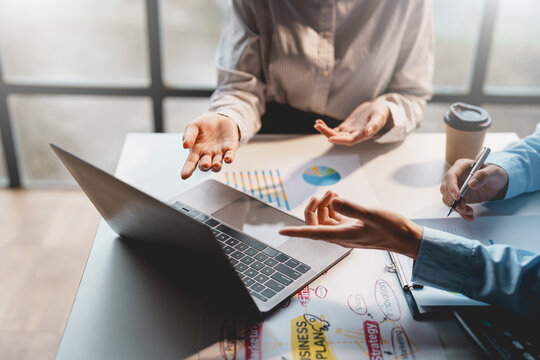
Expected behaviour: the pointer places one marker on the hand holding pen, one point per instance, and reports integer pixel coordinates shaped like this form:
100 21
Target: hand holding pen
477 164
479 183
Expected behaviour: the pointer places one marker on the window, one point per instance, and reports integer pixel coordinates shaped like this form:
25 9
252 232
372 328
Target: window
515 54
190 33
457 25
180 111
89 126
67 42
99 49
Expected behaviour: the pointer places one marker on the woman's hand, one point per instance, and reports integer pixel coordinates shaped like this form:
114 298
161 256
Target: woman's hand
350 225
212 139
362 124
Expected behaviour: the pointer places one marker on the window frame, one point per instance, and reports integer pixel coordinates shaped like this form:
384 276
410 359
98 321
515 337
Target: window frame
158 91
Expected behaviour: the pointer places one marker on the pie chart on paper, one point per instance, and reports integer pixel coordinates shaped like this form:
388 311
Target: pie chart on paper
321 176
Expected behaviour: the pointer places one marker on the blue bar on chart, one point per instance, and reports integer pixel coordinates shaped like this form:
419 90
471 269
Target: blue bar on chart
262 184
274 187
250 184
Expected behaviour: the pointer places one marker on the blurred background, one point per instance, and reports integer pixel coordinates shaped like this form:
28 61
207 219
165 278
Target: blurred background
84 73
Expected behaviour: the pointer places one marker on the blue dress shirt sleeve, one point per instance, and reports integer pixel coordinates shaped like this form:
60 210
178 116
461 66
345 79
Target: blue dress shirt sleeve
498 274
521 161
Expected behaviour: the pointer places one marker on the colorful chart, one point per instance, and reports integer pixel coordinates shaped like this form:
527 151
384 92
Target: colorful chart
262 184
321 176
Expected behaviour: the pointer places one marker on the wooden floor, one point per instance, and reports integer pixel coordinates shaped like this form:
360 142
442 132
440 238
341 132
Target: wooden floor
45 238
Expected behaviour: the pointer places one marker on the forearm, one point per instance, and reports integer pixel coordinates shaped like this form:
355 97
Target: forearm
406 114
498 274
411 84
242 107
240 91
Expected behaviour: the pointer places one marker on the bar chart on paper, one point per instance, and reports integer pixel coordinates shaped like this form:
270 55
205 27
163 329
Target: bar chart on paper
267 185
289 184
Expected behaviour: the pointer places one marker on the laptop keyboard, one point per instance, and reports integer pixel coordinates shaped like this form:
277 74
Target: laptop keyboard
501 334
264 270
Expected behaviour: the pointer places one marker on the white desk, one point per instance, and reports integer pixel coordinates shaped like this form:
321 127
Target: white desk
125 309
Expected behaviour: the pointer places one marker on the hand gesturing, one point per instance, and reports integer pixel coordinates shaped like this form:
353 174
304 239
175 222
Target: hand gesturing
345 223
212 139
362 124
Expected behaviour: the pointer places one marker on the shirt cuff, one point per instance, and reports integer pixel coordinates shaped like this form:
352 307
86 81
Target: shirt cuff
236 114
398 131
443 260
510 163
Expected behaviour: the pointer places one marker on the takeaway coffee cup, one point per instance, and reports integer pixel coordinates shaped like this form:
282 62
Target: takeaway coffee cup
466 127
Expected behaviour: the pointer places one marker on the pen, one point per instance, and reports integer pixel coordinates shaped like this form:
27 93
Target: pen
477 164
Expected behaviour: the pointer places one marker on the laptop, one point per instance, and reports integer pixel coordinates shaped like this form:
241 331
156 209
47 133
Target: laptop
212 235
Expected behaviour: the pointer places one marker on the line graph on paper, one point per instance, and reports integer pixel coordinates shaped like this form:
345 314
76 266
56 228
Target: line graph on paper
267 185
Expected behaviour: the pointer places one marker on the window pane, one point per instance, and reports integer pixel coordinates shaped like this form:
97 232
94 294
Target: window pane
82 42
515 55
457 25
91 127
180 111
191 30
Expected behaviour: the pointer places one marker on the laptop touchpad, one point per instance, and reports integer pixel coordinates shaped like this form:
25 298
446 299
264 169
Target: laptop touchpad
257 219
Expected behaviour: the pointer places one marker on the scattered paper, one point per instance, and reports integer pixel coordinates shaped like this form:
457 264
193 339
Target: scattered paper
354 311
